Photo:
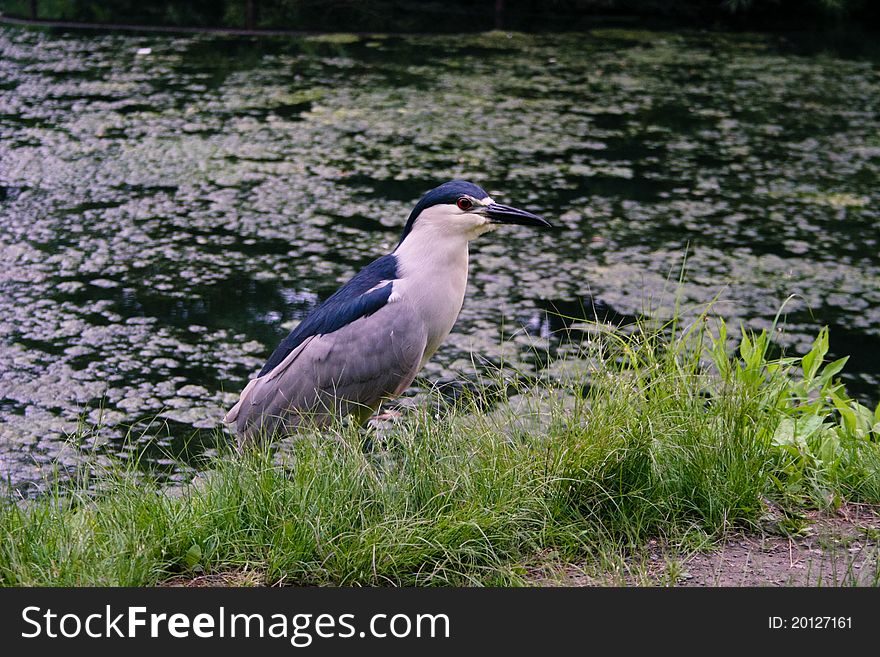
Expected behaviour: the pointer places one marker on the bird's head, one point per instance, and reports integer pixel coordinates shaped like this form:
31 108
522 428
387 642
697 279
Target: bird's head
463 209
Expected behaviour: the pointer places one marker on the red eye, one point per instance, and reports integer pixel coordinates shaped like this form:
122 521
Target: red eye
464 204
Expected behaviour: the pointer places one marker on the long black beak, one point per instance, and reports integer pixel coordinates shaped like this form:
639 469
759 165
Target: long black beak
504 214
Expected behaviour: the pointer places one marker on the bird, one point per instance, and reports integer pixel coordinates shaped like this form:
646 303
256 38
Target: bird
366 343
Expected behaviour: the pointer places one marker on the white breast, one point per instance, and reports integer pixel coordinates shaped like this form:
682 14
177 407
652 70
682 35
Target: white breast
432 276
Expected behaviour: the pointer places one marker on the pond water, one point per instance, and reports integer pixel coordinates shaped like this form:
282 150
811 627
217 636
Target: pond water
167 215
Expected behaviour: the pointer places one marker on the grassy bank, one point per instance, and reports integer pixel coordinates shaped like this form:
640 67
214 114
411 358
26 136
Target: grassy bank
641 436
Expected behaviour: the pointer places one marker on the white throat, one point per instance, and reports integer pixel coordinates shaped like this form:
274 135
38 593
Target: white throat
432 263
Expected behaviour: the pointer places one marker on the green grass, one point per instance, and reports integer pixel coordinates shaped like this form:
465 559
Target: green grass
654 434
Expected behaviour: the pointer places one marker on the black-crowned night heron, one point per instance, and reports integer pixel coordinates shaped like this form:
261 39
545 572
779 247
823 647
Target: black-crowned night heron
367 342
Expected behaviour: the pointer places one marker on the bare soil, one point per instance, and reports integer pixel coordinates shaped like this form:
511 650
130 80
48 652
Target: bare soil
839 549
230 578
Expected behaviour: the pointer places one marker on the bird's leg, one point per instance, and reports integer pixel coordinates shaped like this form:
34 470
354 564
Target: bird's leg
387 415
378 426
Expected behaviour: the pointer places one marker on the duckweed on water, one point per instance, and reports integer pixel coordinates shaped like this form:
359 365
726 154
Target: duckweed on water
164 218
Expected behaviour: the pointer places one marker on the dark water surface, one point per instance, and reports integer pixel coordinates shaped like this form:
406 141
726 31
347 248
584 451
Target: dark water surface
165 217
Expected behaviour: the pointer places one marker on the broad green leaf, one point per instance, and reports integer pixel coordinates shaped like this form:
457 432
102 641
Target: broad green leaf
193 556
829 448
807 426
784 435
847 414
831 370
813 359
745 347
760 348
864 417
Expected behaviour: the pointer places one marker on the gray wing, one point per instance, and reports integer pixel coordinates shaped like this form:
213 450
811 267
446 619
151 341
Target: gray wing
350 370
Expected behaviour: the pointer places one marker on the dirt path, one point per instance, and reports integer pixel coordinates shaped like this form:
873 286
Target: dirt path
838 550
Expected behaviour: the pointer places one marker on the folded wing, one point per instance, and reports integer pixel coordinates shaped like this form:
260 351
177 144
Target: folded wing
349 370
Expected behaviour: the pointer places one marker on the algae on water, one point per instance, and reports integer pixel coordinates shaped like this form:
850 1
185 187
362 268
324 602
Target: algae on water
165 219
